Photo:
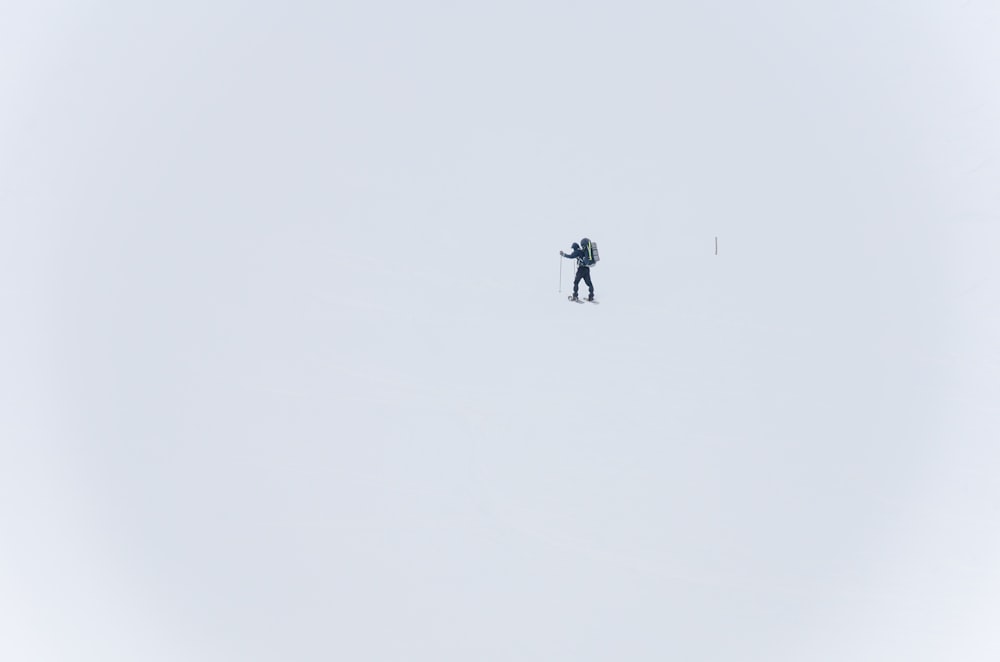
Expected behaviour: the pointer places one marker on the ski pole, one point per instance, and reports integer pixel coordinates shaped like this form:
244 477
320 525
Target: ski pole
560 274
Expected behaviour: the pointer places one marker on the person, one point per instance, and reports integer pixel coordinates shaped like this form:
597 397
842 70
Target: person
582 269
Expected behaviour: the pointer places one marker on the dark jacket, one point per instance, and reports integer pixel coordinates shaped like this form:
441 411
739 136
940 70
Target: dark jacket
578 254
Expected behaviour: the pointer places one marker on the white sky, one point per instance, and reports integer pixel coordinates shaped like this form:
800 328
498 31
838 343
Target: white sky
286 374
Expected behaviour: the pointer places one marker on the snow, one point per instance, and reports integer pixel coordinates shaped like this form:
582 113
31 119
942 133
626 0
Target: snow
287 374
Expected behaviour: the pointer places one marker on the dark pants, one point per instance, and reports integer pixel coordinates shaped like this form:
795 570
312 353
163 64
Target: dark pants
583 273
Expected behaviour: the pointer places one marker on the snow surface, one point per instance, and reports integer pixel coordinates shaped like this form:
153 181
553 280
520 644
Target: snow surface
286 374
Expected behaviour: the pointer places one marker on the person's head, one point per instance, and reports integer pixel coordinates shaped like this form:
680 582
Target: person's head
576 246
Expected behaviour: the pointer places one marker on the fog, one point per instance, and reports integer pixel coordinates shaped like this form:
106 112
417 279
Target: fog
288 371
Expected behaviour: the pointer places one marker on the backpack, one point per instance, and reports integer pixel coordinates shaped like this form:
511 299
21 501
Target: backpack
590 254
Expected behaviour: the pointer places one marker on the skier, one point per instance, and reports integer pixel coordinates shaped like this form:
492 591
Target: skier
582 269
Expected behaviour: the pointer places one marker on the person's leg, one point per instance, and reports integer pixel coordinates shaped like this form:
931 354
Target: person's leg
576 281
590 284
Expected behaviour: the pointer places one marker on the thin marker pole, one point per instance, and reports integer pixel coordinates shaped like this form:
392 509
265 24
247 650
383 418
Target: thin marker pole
716 245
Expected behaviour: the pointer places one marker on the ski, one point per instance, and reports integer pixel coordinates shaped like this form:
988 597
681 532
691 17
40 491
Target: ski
582 300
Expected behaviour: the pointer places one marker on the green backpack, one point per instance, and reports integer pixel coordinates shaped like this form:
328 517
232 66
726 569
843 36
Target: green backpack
590 254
